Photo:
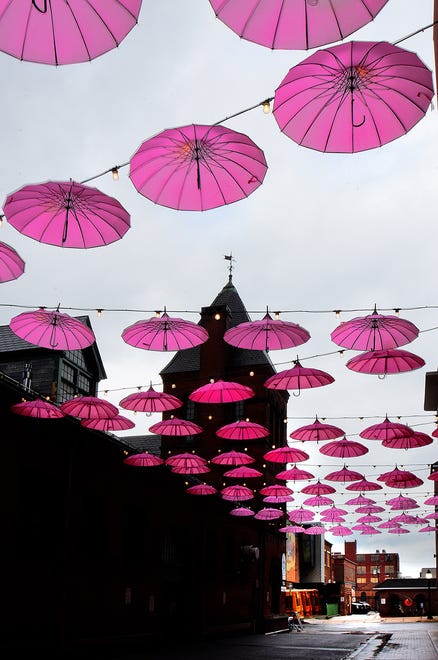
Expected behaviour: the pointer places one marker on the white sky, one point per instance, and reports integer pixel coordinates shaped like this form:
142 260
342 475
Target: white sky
323 232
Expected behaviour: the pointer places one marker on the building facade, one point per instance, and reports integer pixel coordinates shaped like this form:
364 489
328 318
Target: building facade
371 569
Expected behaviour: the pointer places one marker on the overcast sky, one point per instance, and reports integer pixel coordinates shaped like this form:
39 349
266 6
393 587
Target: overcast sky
323 232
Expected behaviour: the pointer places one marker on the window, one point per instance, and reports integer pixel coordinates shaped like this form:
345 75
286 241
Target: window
389 569
361 580
239 409
360 570
374 580
74 379
375 559
190 409
360 557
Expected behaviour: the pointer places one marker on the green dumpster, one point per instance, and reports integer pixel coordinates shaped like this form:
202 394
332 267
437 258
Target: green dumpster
332 609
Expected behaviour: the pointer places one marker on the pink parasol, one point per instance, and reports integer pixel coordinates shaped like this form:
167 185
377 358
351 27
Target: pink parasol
241 512
295 25
417 439
66 214
116 423
194 469
221 391
89 407
237 493
11 264
388 524
197 167
333 518
292 529
176 427
362 527
360 500
398 530
369 518
294 474
353 96
370 531
318 488
433 476
201 489
406 519
53 330
279 499
298 378
386 362
285 455
340 530
57 33
243 472
269 514
435 433
363 485
428 528
150 401
233 458
276 490
370 508
39 408
344 475
344 448
318 500
315 530
374 332
333 511
242 430
164 333
432 516
143 460
317 431
301 515
268 334
432 500
400 479
386 430
186 459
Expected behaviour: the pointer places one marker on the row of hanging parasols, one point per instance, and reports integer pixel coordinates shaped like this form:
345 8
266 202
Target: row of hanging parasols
378 336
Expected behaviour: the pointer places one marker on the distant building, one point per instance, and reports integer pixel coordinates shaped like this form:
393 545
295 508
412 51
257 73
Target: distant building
371 568
406 597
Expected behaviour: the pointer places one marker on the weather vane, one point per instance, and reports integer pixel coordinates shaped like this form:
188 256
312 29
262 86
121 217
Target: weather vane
229 257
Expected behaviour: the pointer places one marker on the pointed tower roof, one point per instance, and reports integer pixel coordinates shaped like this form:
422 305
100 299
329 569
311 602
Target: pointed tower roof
189 359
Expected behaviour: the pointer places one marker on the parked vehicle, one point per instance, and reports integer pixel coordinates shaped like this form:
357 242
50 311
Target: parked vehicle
360 607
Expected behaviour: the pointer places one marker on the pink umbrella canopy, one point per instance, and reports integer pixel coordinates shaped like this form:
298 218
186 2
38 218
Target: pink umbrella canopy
333 511
11 264
291 529
268 334
317 431
432 500
197 167
428 528
340 530
315 530
285 455
318 488
363 485
276 490
344 448
397 478
58 33
150 401
370 508
237 493
243 472
293 25
294 474
301 515
232 458
353 96
374 332
176 427
269 513
386 362
242 430
402 502
66 214
242 512
221 391
201 489
272 499
39 408
369 518
362 527
186 459
417 439
370 531
360 500
143 459
386 430
344 475
388 524
298 378
164 333
406 519
117 423
318 500
398 530
194 469
54 330
433 476
89 407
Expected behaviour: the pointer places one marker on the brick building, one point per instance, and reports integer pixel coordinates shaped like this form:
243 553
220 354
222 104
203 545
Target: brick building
371 568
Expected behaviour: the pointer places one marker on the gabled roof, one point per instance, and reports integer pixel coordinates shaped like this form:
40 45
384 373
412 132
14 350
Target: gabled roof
141 443
189 359
405 583
11 343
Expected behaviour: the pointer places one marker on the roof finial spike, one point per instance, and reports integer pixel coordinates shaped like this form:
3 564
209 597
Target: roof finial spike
229 257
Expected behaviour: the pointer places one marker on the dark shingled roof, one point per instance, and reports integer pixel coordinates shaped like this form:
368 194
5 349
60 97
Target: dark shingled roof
406 583
189 359
141 443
